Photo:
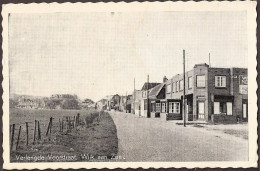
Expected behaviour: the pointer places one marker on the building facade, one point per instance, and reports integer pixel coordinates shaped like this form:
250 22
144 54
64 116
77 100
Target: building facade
211 94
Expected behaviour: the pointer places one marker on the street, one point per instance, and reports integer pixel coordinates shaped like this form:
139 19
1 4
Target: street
152 139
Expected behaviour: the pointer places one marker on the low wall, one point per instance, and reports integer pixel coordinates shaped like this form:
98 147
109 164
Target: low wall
163 116
223 118
172 116
155 114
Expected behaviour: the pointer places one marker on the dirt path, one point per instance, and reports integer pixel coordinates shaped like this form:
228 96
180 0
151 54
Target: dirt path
146 139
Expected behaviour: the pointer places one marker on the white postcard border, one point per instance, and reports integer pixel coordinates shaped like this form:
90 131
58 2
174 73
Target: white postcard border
249 6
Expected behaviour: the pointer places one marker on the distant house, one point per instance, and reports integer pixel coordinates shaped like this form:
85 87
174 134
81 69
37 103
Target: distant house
157 100
145 110
115 102
137 97
102 104
108 102
129 104
122 103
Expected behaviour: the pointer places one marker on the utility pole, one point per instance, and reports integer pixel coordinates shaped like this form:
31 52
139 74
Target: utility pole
209 60
184 113
148 95
125 102
134 95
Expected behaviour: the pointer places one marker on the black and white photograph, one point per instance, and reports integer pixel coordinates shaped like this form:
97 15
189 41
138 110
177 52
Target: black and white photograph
117 85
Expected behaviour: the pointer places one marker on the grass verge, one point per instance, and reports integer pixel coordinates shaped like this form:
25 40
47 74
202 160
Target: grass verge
95 141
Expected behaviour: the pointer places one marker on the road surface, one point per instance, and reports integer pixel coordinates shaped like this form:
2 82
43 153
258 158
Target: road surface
152 139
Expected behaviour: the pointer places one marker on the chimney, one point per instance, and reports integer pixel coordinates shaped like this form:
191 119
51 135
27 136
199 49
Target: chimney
164 79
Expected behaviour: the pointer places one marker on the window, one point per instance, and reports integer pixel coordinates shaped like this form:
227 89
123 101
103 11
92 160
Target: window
163 107
201 82
158 107
220 81
229 108
181 85
223 108
168 88
173 87
190 82
174 107
177 107
177 86
216 107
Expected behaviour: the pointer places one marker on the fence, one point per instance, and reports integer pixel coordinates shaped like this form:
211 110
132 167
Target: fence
65 124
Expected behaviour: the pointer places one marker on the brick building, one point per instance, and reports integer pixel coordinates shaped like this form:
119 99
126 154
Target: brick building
217 94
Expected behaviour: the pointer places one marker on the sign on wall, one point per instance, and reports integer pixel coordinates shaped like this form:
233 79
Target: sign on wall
243 84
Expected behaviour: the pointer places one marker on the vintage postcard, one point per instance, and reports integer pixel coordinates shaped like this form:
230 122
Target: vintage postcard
129 85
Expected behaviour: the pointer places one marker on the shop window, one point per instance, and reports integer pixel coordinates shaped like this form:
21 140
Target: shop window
158 107
223 108
163 107
190 82
181 85
220 81
201 82
174 107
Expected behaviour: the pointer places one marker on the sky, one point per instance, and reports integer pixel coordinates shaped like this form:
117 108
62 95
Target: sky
98 54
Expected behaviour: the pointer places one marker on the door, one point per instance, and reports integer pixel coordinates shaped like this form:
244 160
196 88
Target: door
201 110
244 111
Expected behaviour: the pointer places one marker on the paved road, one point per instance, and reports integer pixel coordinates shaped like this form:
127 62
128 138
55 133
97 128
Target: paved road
146 139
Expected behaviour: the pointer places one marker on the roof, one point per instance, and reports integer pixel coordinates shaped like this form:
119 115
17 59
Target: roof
148 86
156 90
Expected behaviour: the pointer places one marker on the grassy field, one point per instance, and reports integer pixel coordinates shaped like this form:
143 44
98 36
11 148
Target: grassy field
90 141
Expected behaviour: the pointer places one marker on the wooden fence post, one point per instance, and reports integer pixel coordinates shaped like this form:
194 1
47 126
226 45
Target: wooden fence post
59 125
27 134
34 133
39 130
78 118
12 140
48 127
69 122
74 122
18 137
62 125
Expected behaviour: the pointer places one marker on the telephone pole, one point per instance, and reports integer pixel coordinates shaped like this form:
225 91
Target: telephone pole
148 95
125 102
184 113
134 95
209 60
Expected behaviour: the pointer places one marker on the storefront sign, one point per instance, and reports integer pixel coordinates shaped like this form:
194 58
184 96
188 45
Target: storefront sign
243 84
243 80
243 89
201 97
